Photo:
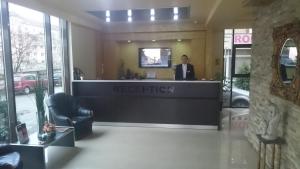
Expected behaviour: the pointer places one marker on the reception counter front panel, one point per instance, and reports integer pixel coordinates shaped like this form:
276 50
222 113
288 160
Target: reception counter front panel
158 102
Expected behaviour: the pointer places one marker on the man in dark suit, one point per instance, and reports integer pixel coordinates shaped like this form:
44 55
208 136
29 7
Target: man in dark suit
184 71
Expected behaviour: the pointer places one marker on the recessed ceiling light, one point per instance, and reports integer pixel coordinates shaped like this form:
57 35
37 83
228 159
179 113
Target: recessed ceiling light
176 17
129 12
152 12
152 18
153 40
175 10
107 13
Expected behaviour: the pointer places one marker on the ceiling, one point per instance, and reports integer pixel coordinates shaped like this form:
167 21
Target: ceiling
206 12
199 8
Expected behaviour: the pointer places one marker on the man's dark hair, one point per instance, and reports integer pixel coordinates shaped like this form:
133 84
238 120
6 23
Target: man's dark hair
185 56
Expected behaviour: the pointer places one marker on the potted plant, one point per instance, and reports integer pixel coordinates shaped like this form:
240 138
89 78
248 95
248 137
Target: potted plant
46 130
3 121
49 130
121 70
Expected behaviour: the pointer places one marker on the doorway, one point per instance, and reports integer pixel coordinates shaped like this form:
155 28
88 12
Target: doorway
237 64
236 82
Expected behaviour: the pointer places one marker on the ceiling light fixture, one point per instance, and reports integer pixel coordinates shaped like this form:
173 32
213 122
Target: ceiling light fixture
176 17
129 41
107 14
176 13
129 13
179 40
175 10
152 14
153 40
152 18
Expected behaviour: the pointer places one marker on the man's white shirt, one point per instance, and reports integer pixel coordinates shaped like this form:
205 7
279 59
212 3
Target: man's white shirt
184 69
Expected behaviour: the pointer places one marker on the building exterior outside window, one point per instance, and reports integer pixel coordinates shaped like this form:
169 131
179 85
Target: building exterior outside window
27 34
57 54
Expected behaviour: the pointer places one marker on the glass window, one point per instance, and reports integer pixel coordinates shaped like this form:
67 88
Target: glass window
3 102
57 52
240 92
228 33
27 36
228 38
242 60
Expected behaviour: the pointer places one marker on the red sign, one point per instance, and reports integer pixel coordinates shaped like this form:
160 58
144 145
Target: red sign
243 39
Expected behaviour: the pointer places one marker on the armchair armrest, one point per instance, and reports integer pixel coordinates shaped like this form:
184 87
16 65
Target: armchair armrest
5 149
84 112
62 120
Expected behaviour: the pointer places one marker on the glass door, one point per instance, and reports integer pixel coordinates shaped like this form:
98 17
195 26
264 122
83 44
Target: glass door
240 77
237 62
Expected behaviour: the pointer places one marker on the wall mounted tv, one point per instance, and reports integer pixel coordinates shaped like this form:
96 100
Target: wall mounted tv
155 57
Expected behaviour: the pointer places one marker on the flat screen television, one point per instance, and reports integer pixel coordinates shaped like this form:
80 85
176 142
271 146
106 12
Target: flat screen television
155 57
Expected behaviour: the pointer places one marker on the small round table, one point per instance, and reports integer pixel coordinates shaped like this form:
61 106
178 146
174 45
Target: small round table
276 142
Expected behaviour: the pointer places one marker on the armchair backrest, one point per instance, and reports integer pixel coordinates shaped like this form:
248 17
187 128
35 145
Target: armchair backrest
61 104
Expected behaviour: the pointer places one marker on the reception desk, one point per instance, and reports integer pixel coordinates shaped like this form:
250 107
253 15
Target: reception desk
152 102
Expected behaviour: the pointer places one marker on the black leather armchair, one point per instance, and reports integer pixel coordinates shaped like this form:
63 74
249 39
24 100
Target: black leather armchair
66 111
9 159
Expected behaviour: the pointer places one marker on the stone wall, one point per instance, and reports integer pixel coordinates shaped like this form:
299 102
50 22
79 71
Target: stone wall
279 13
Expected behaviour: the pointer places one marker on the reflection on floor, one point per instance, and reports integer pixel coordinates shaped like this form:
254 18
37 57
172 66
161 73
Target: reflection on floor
156 148
235 118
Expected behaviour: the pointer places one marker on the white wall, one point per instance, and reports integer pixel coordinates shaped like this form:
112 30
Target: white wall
84 49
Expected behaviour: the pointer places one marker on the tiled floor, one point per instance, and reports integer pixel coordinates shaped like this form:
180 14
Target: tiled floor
156 148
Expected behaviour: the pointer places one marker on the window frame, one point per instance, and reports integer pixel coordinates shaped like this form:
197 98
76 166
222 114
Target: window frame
8 62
